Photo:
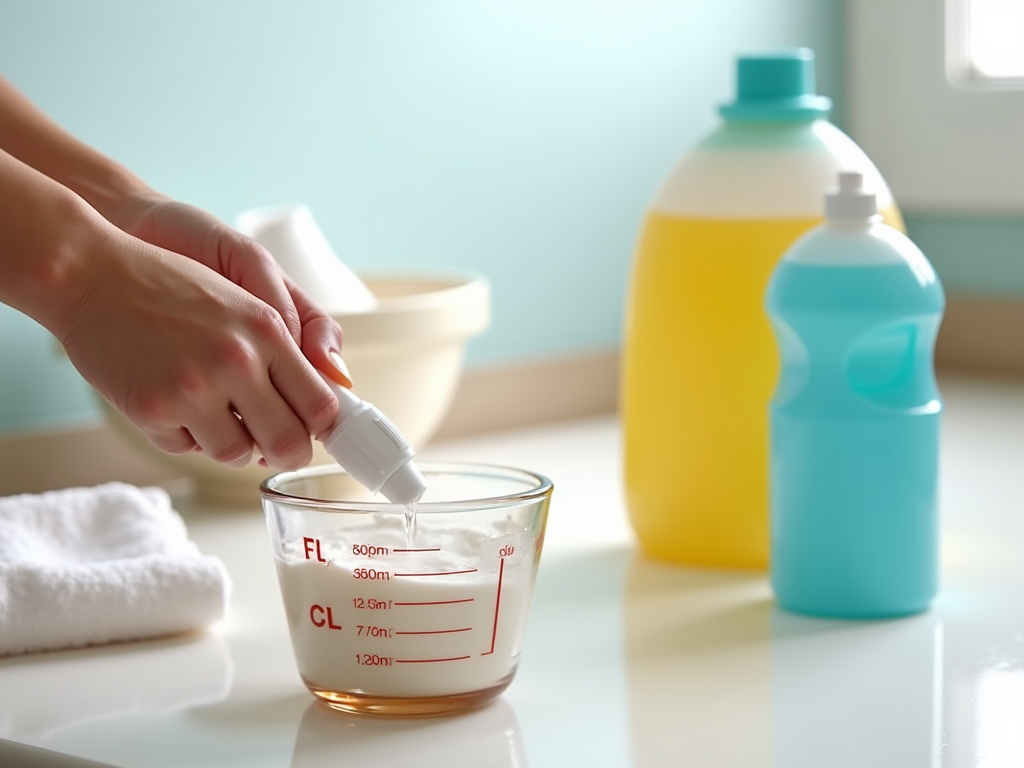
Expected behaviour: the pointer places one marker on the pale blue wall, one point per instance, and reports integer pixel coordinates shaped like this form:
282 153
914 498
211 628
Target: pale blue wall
518 139
973 254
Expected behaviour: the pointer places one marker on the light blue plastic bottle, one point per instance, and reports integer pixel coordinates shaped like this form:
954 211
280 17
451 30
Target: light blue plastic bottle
855 307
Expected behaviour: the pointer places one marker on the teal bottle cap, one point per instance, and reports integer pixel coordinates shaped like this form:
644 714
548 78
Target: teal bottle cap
776 87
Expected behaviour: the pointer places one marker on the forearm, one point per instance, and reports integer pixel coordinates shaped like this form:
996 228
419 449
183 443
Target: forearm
32 137
46 234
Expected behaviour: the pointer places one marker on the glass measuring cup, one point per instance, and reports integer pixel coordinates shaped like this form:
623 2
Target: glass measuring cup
397 612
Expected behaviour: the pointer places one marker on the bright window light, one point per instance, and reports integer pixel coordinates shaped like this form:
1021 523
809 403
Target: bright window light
985 43
995 41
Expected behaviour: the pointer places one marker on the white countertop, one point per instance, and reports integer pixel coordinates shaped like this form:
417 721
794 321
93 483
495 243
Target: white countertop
627 662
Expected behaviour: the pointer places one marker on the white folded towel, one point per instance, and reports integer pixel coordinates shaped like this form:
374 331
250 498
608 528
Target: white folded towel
83 566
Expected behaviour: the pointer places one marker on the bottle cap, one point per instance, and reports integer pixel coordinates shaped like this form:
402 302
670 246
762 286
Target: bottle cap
776 87
850 201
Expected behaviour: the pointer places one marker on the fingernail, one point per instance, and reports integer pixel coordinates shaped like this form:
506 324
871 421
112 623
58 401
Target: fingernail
340 373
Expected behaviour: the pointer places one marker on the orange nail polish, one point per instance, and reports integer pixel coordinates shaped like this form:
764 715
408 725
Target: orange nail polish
340 373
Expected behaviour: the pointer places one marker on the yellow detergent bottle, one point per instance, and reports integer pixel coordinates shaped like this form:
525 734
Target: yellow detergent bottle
699 358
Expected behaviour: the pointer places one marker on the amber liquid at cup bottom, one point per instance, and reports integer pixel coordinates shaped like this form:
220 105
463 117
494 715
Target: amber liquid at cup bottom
409 706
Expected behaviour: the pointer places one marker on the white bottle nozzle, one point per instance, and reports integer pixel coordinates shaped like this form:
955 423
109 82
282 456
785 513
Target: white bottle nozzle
372 450
850 201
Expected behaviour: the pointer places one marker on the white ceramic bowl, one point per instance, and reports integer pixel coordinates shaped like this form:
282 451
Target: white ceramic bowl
405 356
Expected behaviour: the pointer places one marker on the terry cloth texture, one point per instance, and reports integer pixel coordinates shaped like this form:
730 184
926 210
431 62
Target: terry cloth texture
84 566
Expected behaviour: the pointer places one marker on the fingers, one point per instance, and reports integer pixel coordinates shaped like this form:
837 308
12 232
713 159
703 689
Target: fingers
221 435
319 347
340 374
321 338
282 437
201 236
190 411
270 398
295 403
310 399
260 418
279 399
175 440
250 266
209 346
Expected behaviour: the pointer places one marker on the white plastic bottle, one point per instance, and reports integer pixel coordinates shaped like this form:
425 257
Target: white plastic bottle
372 450
298 245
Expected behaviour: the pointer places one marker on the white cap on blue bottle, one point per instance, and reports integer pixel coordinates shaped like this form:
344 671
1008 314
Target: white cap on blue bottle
372 450
850 201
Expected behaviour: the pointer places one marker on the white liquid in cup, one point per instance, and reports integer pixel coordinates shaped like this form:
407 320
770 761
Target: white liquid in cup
369 617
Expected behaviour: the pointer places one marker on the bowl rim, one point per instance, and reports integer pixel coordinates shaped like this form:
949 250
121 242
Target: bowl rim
452 286
542 488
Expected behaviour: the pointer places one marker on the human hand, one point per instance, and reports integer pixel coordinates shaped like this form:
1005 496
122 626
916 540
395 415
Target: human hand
199 235
185 326
193 359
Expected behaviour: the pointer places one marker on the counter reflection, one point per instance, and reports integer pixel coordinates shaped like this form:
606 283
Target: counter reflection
719 677
62 689
984 665
697 658
485 738
849 694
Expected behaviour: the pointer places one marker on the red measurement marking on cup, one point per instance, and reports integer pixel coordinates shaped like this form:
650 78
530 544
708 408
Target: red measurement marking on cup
440 602
497 605
436 631
429 661
422 549
438 573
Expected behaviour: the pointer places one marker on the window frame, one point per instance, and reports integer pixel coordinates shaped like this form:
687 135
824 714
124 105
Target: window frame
960 69
942 149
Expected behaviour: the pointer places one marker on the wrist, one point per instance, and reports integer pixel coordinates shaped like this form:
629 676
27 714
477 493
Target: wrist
114 191
65 266
50 237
